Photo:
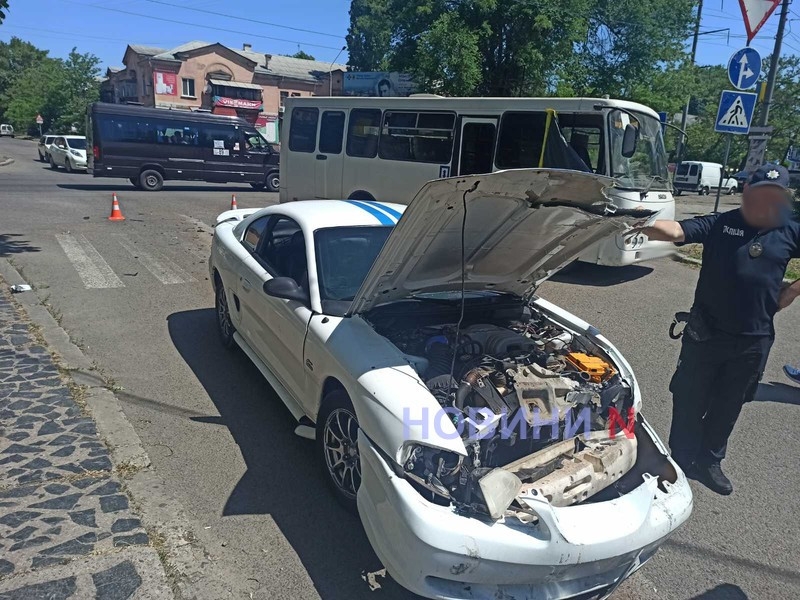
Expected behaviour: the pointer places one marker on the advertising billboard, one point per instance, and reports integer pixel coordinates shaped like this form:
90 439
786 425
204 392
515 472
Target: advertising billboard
376 83
165 84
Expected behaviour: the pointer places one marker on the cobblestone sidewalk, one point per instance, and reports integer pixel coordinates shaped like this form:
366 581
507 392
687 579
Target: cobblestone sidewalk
67 527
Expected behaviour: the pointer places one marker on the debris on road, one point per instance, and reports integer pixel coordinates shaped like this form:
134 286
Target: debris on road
16 289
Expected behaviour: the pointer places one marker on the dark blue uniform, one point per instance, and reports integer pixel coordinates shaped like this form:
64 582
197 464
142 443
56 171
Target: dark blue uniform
737 293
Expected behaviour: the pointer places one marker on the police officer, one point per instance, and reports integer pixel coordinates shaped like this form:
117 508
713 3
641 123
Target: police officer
740 288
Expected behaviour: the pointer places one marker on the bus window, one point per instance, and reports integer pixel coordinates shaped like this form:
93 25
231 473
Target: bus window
362 133
417 137
255 141
584 134
213 135
331 132
303 135
519 144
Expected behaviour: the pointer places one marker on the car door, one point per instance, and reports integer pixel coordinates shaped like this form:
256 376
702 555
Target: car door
59 151
276 328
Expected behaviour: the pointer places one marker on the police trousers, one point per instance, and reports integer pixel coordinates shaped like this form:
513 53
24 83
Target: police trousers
714 379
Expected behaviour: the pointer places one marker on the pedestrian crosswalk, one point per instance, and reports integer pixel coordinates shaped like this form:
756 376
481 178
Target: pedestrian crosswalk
96 272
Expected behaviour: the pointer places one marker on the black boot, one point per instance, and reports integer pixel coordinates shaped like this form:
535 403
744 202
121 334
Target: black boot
710 474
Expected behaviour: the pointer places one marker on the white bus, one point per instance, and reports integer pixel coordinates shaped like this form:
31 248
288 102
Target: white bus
386 149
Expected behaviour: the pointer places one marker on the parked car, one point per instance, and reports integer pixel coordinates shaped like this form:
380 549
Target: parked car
6 130
68 151
150 145
43 147
701 178
474 425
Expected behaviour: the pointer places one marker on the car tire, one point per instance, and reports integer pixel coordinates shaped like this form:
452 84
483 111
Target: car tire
53 164
68 165
258 186
705 191
151 180
41 158
135 182
731 191
337 446
273 182
225 326
678 192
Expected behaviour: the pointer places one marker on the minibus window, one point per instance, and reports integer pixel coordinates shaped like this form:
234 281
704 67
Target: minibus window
303 135
362 133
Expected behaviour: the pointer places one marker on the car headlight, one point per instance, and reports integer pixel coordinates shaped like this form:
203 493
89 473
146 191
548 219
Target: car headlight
75 153
432 468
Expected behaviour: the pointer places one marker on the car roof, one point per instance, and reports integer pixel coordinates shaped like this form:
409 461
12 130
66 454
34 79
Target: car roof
72 137
319 214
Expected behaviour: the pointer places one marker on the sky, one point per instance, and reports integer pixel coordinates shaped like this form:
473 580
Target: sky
105 27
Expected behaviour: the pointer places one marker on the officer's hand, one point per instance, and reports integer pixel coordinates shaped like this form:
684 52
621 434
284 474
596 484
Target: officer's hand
787 295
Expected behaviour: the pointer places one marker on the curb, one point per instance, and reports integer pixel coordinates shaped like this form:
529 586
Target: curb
6 161
188 564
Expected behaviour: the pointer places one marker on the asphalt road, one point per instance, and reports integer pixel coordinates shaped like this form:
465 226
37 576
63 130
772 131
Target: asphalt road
226 446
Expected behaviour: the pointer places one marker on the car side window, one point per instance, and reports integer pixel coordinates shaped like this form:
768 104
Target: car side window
254 232
283 250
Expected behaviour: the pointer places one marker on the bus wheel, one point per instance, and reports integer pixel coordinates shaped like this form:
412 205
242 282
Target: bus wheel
151 180
135 182
273 182
258 186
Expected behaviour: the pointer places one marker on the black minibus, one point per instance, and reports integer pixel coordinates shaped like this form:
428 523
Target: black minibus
151 145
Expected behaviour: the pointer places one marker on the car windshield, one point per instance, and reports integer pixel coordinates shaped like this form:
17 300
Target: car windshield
77 143
647 168
255 141
344 257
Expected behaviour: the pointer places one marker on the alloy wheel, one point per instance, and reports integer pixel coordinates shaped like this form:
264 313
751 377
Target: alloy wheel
341 451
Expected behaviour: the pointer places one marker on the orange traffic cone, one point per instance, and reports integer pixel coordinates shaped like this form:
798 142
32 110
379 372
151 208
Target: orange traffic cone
234 206
116 213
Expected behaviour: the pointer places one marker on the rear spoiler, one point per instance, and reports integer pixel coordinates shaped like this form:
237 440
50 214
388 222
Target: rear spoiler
239 214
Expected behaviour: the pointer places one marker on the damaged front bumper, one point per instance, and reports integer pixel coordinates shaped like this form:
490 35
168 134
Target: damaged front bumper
583 549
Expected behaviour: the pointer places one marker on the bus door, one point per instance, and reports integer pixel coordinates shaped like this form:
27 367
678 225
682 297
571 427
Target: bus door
478 135
329 160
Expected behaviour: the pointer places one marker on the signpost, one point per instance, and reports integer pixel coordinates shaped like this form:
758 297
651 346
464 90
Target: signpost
734 116
39 122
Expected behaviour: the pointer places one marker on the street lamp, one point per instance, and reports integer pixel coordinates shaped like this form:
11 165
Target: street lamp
330 71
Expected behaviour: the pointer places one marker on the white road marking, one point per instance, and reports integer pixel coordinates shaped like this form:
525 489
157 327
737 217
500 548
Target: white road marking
92 269
163 269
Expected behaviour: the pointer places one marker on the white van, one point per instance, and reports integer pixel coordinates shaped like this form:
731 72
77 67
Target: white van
700 178
6 130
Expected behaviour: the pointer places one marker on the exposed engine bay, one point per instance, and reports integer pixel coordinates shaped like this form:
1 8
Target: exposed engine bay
533 403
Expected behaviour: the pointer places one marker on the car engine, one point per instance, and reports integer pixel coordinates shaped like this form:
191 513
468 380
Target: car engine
534 405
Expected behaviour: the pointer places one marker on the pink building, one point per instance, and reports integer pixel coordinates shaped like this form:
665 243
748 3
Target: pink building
213 77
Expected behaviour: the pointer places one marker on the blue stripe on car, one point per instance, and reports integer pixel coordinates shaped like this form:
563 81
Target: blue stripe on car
382 217
387 209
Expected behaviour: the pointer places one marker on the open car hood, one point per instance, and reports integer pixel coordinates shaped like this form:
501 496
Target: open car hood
521 227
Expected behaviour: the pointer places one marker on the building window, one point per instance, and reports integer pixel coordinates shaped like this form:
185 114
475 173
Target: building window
188 88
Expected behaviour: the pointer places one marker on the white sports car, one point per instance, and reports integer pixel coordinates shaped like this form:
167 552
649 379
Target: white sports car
492 442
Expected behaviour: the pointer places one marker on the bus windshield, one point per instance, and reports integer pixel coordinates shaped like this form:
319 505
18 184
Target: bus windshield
647 168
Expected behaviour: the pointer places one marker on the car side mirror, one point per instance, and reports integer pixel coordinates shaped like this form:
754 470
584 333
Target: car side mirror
629 140
286 288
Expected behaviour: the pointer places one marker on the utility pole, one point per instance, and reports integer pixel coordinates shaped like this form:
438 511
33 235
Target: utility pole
773 64
685 115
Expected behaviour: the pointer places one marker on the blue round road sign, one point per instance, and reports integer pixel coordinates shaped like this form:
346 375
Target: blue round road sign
744 68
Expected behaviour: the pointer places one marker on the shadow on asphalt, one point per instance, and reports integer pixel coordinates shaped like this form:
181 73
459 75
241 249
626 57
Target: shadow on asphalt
124 185
283 478
775 391
580 273
10 246
725 591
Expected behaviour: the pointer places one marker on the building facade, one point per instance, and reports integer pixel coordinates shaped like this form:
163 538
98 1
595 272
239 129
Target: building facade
219 79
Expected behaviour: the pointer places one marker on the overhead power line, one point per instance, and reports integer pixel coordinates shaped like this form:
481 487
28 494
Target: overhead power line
245 19
210 27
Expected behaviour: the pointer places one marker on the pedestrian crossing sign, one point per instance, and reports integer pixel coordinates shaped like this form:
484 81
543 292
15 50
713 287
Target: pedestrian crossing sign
735 112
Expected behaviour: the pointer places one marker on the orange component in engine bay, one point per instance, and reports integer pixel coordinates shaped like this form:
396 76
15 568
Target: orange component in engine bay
597 369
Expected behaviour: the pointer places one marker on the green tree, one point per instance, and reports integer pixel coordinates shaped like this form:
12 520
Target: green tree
303 54
15 57
448 58
369 39
82 87
39 89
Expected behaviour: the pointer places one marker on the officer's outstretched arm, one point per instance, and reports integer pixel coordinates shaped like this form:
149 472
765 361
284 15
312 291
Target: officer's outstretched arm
665 231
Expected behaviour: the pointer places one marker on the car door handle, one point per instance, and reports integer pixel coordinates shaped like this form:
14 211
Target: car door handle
322 157
246 285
